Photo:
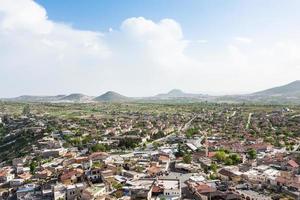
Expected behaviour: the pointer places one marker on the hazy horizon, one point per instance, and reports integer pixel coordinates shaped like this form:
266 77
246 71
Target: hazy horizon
151 95
139 49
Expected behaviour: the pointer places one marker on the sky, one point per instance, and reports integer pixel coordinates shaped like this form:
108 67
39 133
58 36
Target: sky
141 48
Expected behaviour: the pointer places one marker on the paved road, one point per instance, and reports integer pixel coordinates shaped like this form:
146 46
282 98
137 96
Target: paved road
249 120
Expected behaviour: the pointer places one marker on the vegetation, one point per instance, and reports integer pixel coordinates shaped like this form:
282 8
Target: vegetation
227 158
129 143
33 165
26 110
180 151
187 158
100 147
214 167
191 132
252 153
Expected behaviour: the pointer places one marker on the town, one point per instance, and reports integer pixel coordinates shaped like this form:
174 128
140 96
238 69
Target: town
149 151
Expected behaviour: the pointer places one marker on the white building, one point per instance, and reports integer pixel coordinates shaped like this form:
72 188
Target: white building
74 191
171 188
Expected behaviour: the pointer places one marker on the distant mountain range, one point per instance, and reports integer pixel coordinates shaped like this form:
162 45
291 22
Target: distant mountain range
286 94
77 97
176 93
30 98
291 89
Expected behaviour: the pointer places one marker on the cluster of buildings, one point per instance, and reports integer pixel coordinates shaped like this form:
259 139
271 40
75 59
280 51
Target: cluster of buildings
69 161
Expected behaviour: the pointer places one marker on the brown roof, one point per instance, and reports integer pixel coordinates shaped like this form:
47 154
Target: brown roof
226 172
69 174
3 173
211 154
98 155
153 170
163 158
81 159
25 175
281 180
293 163
157 189
204 188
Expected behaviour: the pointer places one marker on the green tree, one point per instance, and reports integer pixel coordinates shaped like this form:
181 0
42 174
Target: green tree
235 158
212 177
191 132
117 186
179 152
99 147
220 156
252 154
26 110
214 167
187 158
155 145
228 161
32 167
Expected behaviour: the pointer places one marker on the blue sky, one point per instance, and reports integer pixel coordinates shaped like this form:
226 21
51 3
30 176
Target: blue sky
199 18
141 48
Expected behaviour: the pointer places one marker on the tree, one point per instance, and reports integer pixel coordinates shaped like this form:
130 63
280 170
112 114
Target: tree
158 135
228 161
117 186
97 164
191 132
129 143
252 154
99 147
220 156
235 158
212 177
214 167
33 166
144 145
179 152
26 110
187 158
155 145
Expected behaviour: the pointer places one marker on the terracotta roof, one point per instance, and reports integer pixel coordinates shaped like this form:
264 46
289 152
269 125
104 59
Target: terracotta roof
211 154
157 189
69 174
204 188
98 155
293 163
163 158
281 180
81 159
3 173
25 176
153 170
295 185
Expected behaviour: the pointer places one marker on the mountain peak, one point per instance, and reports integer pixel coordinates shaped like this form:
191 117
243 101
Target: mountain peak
111 96
295 82
176 92
292 88
77 97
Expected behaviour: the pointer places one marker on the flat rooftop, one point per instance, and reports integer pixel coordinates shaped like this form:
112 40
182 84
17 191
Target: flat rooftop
169 183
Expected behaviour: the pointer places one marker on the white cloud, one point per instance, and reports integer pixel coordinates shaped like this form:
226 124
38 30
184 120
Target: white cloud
141 57
244 40
202 41
29 17
161 42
